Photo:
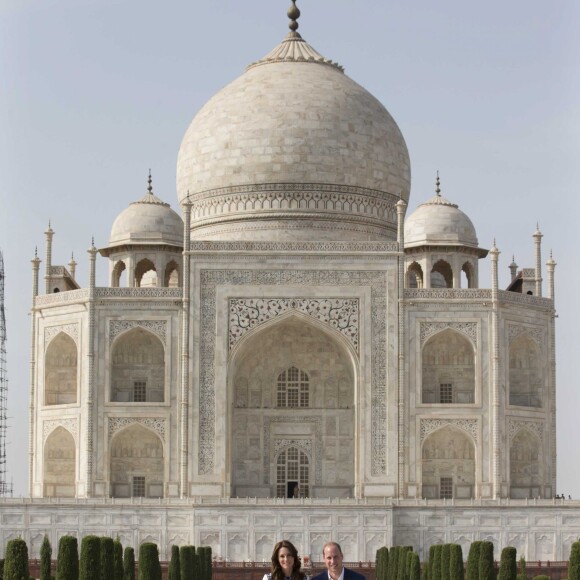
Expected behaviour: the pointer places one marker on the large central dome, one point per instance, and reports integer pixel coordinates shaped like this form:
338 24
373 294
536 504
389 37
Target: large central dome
293 149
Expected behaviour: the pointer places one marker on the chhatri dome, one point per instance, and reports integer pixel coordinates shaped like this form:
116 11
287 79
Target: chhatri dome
149 220
293 149
438 222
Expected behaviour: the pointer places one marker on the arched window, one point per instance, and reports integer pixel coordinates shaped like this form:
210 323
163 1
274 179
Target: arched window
171 275
137 463
59 464
293 389
292 473
467 272
60 362
415 276
525 373
441 275
525 466
138 368
117 277
448 369
145 274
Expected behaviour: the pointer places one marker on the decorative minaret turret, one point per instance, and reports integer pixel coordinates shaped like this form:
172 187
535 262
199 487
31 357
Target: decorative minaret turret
72 266
495 398
551 266
92 251
31 405
402 421
538 241
184 396
513 268
49 233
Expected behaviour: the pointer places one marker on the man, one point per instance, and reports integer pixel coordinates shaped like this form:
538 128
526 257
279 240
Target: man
333 557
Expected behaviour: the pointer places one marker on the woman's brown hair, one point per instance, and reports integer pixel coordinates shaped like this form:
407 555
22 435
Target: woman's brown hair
277 572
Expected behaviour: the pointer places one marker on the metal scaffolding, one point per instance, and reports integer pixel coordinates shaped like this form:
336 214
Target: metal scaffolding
5 487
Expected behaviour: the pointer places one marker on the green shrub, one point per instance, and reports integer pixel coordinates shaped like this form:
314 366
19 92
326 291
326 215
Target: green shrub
90 564
402 568
149 566
542 577
486 564
414 566
522 570
472 572
382 563
117 559
107 549
16 560
208 559
574 563
508 568
394 562
45 559
408 559
186 562
436 563
445 556
174 569
129 563
67 562
455 562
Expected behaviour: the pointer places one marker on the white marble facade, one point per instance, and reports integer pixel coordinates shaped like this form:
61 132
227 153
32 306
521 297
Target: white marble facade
294 336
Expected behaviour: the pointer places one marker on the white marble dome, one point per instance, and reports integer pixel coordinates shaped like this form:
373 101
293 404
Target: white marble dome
293 149
439 222
148 220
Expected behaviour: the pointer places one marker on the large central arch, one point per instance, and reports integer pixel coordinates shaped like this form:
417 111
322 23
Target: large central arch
292 384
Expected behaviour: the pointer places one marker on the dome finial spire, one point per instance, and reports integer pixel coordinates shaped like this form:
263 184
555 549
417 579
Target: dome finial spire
438 185
150 183
294 15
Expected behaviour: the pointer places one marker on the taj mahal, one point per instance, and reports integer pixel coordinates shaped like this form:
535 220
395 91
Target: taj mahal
295 349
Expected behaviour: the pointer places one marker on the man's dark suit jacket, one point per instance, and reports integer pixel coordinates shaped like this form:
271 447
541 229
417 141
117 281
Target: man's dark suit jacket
348 575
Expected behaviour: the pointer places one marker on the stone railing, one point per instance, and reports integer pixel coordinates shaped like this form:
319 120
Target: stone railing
448 294
62 298
149 292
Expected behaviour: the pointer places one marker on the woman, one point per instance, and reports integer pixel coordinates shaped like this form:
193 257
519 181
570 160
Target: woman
285 563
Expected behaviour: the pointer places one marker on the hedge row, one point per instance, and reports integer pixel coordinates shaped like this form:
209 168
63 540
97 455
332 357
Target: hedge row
102 558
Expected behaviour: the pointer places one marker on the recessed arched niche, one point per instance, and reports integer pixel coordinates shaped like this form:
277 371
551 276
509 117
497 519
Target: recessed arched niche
59 464
292 387
61 372
525 372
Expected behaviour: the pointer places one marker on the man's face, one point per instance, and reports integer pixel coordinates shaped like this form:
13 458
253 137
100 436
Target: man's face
333 560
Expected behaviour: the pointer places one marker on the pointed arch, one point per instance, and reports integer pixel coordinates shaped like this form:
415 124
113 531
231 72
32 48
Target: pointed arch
448 464
525 373
145 273
61 371
137 367
59 464
414 276
468 270
441 275
526 465
119 270
292 346
137 463
293 478
448 369
172 278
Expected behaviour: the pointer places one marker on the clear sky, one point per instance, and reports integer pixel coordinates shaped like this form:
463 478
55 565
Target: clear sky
93 93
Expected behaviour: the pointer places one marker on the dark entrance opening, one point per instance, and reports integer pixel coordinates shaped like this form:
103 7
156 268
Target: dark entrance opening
292 489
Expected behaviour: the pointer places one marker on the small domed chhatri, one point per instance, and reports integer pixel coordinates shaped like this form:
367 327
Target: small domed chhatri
148 220
293 149
439 222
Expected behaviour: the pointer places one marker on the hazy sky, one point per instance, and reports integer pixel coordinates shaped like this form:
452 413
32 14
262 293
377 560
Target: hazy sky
95 92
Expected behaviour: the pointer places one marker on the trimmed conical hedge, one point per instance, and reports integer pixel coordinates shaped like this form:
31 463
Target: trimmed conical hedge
445 557
107 551
129 563
486 565
16 560
455 562
508 567
435 571
472 572
149 565
117 559
90 564
414 567
382 563
45 559
187 562
574 564
67 563
174 568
